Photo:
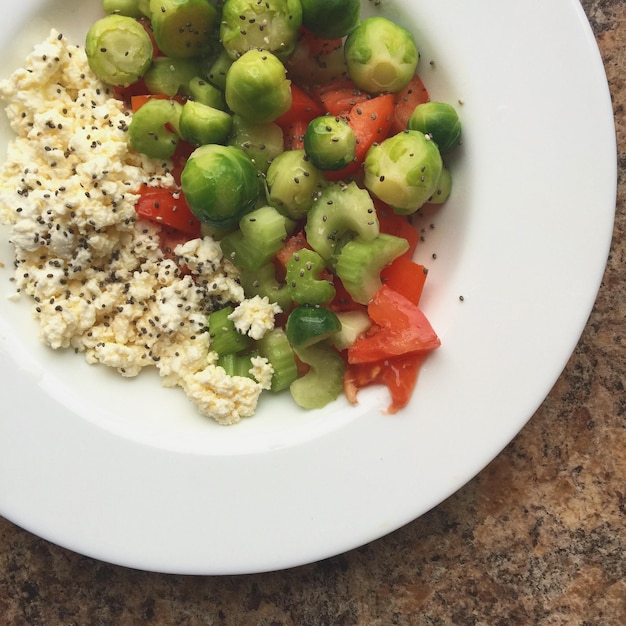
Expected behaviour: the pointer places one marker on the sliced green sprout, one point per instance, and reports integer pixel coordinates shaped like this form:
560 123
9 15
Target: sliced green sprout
381 55
404 170
257 87
119 50
307 325
439 120
220 184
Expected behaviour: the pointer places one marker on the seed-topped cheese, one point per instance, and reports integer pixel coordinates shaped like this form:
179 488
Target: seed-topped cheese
96 273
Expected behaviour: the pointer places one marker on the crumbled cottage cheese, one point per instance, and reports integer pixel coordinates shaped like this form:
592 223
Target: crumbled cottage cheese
96 274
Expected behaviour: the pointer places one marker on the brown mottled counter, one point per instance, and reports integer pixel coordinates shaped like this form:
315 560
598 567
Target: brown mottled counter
538 537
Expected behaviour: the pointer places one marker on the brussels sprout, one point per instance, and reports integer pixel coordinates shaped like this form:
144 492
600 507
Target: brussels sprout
330 19
261 142
269 25
202 91
444 187
381 56
182 28
118 49
329 142
218 70
130 8
220 184
257 87
403 170
440 121
293 183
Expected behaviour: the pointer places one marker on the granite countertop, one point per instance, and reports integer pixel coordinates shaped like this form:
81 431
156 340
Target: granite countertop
538 537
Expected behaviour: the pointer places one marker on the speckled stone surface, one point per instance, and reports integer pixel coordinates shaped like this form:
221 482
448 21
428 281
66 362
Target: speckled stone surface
538 537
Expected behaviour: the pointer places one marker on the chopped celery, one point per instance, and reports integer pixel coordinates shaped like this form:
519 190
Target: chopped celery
360 262
261 142
148 132
225 338
303 278
201 124
170 76
324 380
261 235
275 347
203 91
339 209
237 364
262 282
307 325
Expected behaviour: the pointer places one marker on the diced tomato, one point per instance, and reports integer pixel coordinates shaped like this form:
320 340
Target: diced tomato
402 329
339 95
303 108
371 121
138 100
405 102
393 224
398 374
295 242
167 207
170 238
293 135
179 159
405 277
125 94
343 300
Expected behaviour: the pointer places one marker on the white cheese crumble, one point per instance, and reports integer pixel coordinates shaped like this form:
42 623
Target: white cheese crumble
255 316
97 275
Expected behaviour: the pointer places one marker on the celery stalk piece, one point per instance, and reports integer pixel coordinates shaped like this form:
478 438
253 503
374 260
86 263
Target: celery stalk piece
360 262
262 282
237 364
148 132
340 209
275 347
225 338
323 382
201 124
303 278
261 142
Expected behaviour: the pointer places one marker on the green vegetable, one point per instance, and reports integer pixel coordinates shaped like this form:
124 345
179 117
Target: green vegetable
353 325
360 262
381 56
201 124
263 282
303 278
170 76
275 347
218 70
444 187
257 87
204 92
118 49
225 338
323 382
268 25
261 235
330 143
237 364
182 28
293 183
220 184
307 325
261 142
330 19
439 120
148 132
340 209
403 170
129 8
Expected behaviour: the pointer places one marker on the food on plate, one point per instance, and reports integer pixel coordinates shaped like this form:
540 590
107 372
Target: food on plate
231 204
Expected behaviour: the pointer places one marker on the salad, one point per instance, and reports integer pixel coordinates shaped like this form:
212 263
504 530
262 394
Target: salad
267 159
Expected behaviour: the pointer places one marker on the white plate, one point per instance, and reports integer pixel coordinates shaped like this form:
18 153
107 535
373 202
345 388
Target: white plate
125 471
